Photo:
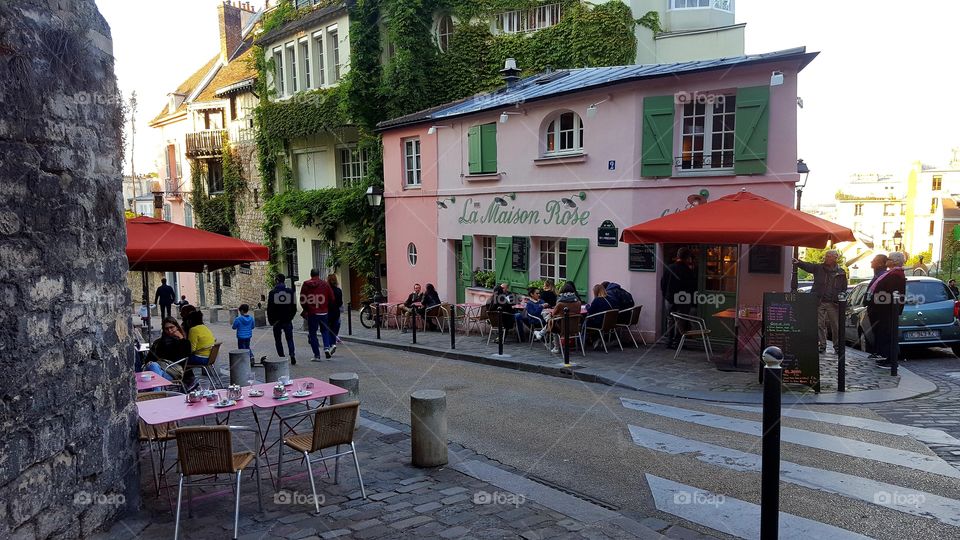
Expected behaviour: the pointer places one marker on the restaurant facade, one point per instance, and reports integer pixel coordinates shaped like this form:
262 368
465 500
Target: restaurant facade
537 180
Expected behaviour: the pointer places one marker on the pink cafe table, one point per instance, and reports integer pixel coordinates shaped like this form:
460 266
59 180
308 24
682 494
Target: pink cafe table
176 409
154 381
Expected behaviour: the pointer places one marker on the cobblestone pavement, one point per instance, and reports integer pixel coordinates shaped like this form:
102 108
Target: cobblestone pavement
939 410
402 502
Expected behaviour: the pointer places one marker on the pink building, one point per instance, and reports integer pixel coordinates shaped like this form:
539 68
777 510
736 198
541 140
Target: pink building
537 179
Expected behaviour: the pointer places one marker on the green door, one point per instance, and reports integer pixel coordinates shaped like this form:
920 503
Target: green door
464 251
717 265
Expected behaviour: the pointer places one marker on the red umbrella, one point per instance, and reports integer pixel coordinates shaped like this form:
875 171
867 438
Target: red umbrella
155 245
741 218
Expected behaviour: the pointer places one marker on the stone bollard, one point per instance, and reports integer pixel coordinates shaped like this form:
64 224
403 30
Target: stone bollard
239 366
260 317
213 315
351 383
273 368
234 313
428 428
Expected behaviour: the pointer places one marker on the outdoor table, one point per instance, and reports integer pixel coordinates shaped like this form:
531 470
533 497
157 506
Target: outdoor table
155 381
176 409
748 333
471 311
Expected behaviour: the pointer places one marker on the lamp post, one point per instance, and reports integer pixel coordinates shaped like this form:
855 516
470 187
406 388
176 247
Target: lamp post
898 240
805 171
375 200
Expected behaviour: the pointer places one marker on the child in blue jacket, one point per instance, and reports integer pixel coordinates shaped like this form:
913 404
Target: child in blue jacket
244 325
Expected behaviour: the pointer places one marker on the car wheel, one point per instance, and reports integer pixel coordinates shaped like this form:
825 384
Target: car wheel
956 349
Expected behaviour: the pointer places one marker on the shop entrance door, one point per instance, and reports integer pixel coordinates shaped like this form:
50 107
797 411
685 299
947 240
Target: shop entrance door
462 281
716 267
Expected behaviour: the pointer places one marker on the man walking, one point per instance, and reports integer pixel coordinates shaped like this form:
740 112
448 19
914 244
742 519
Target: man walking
164 297
315 298
885 298
281 308
829 280
952 285
678 287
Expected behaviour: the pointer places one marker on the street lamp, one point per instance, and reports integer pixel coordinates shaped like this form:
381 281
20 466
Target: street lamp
805 171
375 199
897 240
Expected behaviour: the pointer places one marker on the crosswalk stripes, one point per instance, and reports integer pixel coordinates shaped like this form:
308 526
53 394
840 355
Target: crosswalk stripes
733 516
830 443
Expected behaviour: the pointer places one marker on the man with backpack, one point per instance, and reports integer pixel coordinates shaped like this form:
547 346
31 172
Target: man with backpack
281 309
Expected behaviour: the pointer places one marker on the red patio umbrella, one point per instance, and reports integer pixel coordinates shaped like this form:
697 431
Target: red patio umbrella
155 245
741 218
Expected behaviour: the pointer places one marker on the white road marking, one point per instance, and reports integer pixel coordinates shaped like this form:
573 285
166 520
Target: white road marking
926 435
908 501
830 443
733 516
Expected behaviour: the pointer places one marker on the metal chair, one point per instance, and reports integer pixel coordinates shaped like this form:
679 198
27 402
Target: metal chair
332 426
208 450
700 331
438 314
208 369
496 319
634 321
569 331
608 326
156 437
536 323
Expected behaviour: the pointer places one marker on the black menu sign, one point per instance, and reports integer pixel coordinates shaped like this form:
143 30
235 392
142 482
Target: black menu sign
765 259
519 249
790 323
643 257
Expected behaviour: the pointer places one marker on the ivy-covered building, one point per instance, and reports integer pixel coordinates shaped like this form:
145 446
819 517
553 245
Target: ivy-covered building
207 158
536 179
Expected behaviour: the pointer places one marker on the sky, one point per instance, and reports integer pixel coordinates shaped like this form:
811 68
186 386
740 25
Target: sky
878 98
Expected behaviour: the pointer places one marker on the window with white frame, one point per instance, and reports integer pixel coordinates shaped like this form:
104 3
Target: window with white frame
292 68
487 252
278 80
334 47
353 165
412 254
529 20
553 259
444 31
305 62
318 62
722 5
564 134
411 162
707 134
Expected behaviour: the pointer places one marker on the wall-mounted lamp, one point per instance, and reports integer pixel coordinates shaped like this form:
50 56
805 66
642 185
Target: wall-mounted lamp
592 109
569 203
505 116
776 78
502 201
442 203
433 129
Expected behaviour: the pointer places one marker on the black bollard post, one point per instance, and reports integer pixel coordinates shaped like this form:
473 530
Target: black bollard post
770 443
893 356
453 327
564 334
500 334
841 338
349 319
377 318
414 314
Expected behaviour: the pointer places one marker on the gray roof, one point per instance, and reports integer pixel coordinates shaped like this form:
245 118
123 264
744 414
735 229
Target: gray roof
303 23
544 86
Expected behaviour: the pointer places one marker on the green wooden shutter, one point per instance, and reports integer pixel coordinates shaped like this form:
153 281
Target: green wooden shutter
488 148
519 279
578 264
503 258
473 144
752 130
657 142
466 260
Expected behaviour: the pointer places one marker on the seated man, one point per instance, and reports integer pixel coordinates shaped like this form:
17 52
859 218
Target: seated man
414 302
620 298
533 310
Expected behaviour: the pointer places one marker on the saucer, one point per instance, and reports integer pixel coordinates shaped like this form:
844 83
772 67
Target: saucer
224 404
302 393
255 393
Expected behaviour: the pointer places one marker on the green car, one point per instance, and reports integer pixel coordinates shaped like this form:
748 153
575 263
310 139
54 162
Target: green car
929 318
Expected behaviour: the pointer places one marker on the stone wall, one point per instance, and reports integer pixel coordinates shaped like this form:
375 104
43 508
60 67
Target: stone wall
68 449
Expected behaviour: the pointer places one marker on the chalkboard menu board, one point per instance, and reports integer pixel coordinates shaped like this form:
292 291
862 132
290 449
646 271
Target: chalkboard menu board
765 259
790 323
643 257
519 249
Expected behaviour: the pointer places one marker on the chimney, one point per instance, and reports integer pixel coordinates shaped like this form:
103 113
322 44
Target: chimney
230 30
510 72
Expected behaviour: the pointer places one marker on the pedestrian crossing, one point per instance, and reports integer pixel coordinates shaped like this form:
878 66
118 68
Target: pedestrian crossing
926 507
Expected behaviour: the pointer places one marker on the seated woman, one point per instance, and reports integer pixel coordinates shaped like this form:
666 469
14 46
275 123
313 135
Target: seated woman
600 304
201 339
532 311
501 303
431 303
568 299
171 347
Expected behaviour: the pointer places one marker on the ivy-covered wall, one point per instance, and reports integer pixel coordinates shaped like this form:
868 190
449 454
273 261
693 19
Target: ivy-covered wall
417 77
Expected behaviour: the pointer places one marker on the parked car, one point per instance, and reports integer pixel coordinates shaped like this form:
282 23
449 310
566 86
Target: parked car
929 318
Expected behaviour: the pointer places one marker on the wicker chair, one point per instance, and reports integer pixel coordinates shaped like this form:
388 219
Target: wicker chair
608 326
333 426
632 322
156 437
208 450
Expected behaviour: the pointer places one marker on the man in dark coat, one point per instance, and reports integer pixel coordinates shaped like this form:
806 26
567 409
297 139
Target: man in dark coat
885 298
164 297
281 310
879 266
678 287
829 281
620 298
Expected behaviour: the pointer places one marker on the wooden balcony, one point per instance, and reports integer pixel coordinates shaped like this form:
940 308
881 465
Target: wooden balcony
208 143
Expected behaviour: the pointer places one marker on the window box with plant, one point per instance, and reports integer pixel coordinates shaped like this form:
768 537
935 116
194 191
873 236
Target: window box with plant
484 278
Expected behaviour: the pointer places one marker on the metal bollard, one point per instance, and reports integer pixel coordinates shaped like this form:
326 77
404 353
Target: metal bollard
453 327
377 319
770 443
349 319
428 428
239 366
500 334
414 314
563 336
351 383
841 338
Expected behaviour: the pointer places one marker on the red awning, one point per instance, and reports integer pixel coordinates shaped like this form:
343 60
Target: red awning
155 245
742 218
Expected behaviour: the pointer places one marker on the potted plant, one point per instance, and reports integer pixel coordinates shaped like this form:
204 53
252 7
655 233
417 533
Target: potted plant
484 278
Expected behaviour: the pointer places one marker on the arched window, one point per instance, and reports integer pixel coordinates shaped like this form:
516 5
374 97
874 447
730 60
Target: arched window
412 254
564 134
444 31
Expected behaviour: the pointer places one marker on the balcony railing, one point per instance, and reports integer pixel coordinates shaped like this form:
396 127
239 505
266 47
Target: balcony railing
173 187
208 143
